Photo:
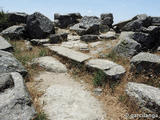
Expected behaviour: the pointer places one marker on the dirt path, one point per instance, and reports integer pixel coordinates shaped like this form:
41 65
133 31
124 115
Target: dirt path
66 99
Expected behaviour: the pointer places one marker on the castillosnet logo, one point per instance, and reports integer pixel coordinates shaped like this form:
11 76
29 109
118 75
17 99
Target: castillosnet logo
143 115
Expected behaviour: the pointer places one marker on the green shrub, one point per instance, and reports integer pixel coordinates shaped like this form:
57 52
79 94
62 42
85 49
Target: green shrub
99 78
122 98
41 116
43 52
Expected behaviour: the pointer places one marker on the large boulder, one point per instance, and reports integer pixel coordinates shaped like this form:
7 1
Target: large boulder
107 19
5 45
39 26
64 21
154 32
8 63
146 97
15 101
145 62
87 25
17 17
14 32
138 23
127 46
144 39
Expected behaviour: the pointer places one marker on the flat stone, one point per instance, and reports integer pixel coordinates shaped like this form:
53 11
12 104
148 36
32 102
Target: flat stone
76 45
70 54
145 62
5 45
110 68
50 64
95 44
73 38
109 35
40 41
147 97
15 101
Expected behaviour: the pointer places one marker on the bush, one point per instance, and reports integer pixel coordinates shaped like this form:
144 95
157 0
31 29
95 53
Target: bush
41 116
99 78
4 23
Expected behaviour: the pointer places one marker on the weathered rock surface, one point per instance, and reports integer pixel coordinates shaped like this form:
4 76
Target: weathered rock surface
147 97
4 45
50 64
15 102
118 26
39 26
17 17
58 38
156 21
109 35
87 25
14 32
70 54
138 23
64 21
75 44
107 19
127 46
69 98
40 41
10 64
111 69
145 62
89 38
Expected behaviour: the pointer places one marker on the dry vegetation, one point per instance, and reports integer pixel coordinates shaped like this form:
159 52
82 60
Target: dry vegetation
116 102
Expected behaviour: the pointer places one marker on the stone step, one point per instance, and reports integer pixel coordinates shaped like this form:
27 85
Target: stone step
111 69
69 53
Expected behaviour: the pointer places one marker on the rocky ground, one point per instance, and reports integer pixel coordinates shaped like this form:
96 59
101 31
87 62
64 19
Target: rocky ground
78 67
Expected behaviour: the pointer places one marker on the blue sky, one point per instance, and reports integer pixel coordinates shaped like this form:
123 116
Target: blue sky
121 9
